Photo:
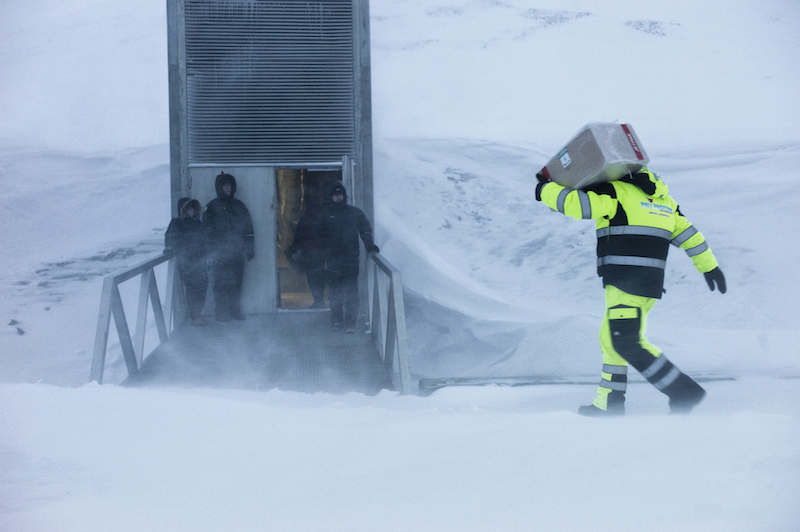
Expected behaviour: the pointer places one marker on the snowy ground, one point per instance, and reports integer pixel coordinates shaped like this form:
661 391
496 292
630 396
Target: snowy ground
470 98
110 458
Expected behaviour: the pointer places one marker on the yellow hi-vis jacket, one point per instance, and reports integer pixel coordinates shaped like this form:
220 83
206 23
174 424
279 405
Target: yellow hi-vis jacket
636 221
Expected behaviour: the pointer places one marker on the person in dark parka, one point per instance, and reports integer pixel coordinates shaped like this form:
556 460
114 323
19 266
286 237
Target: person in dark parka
232 244
339 226
307 252
187 239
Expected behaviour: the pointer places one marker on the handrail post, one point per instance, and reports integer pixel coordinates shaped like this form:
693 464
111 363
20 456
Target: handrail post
158 310
169 291
375 322
123 331
101 336
141 316
401 332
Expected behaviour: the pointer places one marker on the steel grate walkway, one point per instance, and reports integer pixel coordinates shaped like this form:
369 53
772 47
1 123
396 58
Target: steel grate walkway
291 351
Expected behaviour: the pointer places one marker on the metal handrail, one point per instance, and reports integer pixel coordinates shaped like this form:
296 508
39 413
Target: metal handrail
389 313
111 306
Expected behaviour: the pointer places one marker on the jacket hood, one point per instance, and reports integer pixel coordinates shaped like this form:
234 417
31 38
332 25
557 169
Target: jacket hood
184 204
336 188
223 178
648 182
181 203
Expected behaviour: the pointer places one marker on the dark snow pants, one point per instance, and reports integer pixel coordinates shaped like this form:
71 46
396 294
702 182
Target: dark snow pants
343 297
228 277
195 285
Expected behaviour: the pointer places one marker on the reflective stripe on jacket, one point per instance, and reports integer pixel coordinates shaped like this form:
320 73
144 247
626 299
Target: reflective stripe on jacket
635 223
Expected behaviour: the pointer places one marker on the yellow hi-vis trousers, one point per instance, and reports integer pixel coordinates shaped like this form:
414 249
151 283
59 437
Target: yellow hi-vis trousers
623 342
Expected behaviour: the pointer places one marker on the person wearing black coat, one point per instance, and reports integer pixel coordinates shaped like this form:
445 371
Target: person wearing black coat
232 244
338 227
187 239
307 252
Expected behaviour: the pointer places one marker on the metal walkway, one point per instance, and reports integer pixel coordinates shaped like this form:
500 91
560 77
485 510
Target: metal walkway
292 351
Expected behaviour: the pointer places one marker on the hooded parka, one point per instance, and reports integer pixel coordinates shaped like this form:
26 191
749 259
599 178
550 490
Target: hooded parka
229 222
232 244
338 228
187 239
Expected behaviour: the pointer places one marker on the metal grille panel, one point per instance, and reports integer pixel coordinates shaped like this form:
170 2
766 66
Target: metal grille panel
269 81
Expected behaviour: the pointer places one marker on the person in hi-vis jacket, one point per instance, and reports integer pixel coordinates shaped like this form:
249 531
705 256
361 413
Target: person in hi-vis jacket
636 221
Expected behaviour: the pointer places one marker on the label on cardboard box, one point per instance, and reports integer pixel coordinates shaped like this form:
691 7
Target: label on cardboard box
563 156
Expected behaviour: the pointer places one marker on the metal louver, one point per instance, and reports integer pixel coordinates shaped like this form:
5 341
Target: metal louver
269 81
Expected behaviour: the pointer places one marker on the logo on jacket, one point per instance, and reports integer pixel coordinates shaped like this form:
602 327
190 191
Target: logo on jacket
656 208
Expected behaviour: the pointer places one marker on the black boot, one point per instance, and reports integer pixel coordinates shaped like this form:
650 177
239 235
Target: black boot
614 407
684 394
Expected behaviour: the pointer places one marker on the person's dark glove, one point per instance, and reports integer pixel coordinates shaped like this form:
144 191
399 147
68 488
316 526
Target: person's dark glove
372 248
542 182
715 276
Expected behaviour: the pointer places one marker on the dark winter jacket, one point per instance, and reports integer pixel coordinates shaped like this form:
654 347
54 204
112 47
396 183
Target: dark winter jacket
338 227
229 223
307 251
187 238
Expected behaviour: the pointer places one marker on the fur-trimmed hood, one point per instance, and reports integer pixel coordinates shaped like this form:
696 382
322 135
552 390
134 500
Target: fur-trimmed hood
184 204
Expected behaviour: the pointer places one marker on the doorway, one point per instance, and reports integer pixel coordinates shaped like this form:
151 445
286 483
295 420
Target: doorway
299 196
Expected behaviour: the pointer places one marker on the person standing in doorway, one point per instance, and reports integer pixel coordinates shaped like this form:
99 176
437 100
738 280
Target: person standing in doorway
307 252
232 244
338 227
187 239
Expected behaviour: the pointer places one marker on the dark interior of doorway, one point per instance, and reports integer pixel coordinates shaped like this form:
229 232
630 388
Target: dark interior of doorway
299 192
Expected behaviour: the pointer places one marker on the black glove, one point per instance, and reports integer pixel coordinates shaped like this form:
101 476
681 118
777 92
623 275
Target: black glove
542 182
715 276
372 248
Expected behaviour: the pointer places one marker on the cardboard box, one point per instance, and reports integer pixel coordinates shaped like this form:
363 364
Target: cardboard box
598 153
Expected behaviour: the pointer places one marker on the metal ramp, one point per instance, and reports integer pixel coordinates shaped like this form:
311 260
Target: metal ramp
291 351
